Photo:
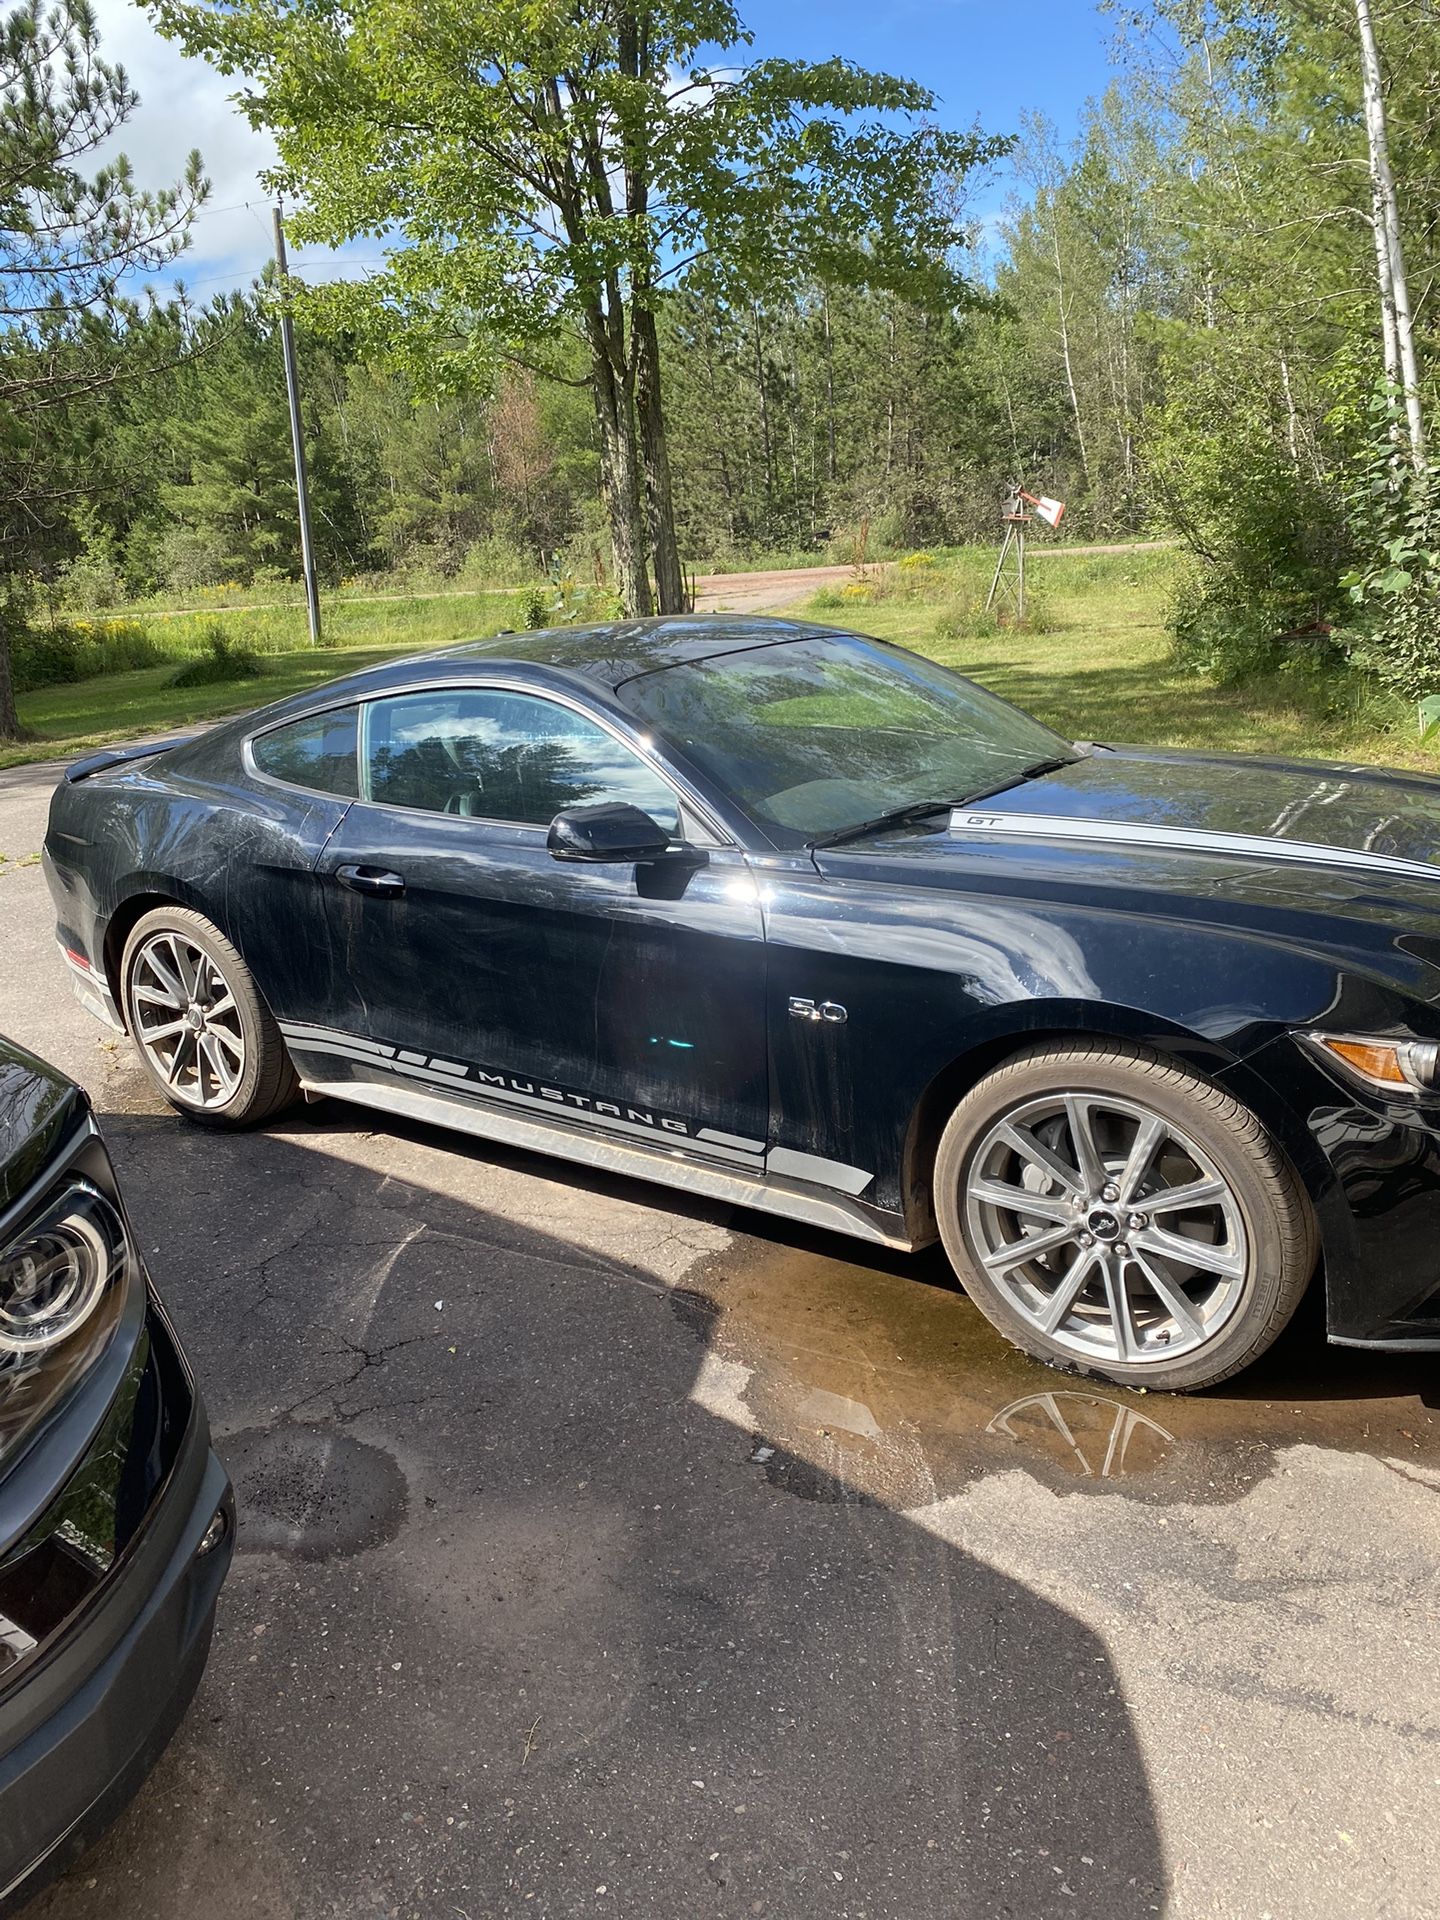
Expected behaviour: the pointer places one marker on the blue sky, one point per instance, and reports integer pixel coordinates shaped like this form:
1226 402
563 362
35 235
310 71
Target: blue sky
990 59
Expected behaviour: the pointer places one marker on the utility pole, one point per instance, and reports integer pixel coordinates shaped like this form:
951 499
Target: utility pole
297 437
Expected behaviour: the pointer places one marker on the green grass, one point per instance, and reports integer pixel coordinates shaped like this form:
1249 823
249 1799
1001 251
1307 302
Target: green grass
1101 668
1098 668
64 721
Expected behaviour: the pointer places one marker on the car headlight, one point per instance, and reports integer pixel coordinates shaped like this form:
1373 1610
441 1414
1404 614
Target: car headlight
1394 1066
58 1271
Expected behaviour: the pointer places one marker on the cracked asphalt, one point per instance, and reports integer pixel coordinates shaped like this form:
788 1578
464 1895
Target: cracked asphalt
604 1553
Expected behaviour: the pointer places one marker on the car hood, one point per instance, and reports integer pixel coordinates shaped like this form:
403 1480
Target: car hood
1366 811
38 1109
1141 832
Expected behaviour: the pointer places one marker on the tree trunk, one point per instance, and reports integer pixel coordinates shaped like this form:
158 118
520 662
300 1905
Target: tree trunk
1390 346
1065 346
1292 435
670 596
10 728
620 483
829 393
1387 205
764 407
890 390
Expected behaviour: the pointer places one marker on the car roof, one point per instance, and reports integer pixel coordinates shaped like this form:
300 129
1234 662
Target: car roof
604 657
622 650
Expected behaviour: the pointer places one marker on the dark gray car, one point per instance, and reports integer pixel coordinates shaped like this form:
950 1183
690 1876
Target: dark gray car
116 1521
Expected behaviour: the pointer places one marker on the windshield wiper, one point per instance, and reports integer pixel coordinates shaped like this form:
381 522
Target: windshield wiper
923 809
1040 768
897 817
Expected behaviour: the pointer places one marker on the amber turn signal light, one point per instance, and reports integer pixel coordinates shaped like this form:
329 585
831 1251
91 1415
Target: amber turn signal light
1404 1066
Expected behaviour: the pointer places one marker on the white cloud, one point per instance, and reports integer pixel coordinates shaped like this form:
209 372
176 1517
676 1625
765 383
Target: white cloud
185 104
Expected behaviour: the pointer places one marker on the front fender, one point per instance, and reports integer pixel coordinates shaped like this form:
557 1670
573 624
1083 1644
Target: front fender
937 985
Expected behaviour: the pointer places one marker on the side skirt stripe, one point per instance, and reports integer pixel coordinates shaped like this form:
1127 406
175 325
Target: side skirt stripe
469 1091
780 1162
641 1160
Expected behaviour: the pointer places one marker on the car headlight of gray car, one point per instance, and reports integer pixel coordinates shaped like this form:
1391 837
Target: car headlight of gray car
65 1271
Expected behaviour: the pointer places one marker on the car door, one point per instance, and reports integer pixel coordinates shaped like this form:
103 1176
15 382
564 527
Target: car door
464 954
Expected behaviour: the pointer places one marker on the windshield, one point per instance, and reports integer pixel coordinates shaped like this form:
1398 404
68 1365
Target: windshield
815 736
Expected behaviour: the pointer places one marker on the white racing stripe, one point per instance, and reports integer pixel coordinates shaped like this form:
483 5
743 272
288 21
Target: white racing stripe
1050 826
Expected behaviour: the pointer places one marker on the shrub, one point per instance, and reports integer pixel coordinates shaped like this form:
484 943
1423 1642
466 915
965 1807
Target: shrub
90 581
496 562
966 617
1395 514
1237 632
58 655
223 659
190 558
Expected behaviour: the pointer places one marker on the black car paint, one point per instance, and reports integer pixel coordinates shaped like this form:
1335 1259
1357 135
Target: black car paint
104 1503
946 949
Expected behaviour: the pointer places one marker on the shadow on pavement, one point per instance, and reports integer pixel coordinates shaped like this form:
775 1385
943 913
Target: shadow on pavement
520 1627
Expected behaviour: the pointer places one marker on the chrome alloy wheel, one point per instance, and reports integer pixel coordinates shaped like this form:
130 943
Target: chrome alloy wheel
186 1020
1106 1227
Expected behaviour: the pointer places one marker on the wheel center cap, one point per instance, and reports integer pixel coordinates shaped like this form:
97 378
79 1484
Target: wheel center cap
1104 1224
196 1018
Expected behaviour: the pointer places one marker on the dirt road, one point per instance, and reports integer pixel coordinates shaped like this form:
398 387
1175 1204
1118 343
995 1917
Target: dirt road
783 586
714 592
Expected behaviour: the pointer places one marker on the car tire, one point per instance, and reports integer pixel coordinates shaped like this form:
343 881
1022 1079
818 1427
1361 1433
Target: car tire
202 1030
1082 1145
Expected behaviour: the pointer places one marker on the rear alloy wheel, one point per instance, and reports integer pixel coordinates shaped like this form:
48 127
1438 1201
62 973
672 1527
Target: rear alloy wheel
202 1031
1117 1215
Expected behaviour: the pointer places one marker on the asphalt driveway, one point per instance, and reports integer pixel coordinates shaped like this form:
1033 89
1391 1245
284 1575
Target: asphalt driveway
607 1554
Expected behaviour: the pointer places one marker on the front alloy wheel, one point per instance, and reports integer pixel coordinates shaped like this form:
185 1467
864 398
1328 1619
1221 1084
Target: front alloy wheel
1115 1214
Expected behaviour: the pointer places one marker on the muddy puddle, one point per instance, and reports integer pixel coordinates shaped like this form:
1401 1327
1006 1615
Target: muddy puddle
877 1373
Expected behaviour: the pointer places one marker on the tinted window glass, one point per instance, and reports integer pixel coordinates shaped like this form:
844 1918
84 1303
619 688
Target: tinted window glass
813 736
501 756
318 753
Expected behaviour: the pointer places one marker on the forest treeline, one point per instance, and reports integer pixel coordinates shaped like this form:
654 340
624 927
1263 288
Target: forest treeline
1212 314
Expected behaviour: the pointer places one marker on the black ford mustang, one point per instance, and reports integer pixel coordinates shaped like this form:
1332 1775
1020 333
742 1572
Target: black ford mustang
800 920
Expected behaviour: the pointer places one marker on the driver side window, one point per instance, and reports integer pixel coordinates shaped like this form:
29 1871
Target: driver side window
492 755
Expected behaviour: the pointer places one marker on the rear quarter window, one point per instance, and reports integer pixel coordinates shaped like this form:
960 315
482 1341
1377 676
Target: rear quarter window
318 752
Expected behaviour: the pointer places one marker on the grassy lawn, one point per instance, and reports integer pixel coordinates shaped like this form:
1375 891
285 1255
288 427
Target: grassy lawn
67 720
1100 668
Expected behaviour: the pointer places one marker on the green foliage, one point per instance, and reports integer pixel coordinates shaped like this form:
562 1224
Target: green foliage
1265 529
1430 719
1395 521
966 617
95 577
224 658
68 239
545 177
52 656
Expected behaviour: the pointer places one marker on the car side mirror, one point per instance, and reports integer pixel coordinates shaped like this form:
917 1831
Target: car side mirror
611 830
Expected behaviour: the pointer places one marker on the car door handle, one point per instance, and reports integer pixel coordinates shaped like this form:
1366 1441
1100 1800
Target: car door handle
371 880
